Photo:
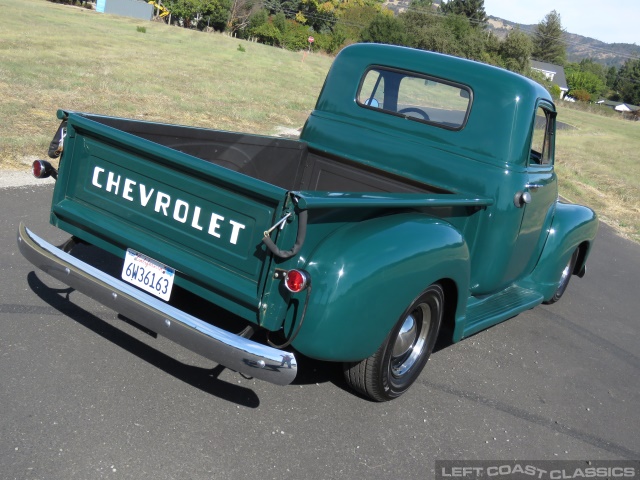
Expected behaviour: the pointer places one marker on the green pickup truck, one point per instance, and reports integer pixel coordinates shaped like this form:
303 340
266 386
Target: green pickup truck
420 202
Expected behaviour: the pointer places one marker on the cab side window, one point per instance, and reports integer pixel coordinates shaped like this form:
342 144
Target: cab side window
542 139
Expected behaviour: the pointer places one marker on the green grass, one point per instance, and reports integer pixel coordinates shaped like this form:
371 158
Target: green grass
54 56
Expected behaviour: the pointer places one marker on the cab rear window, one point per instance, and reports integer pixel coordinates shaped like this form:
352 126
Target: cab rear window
415 97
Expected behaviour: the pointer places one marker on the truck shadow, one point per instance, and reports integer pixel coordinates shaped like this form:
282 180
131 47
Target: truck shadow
200 378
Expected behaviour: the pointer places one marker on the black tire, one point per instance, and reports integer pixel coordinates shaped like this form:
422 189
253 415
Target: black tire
567 272
394 367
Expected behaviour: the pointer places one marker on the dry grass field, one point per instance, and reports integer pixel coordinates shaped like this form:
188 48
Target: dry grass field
54 56
598 164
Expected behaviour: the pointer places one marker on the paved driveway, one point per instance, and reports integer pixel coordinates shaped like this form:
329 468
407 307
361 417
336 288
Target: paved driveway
84 395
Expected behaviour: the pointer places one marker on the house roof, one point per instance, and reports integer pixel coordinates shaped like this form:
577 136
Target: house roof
609 103
555 73
619 106
625 107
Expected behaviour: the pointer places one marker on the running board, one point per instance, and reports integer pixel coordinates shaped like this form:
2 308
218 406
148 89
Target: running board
490 310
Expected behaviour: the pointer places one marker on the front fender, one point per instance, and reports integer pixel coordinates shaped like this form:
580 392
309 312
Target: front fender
367 273
573 226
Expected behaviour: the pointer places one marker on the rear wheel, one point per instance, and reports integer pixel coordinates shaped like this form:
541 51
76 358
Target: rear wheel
564 278
390 371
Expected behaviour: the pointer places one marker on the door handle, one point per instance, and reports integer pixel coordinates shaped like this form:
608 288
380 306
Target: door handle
520 199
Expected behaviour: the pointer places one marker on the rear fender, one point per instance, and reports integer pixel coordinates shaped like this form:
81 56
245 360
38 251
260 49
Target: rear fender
573 226
367 273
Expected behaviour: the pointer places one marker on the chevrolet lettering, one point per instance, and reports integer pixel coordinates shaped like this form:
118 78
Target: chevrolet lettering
420 203
178 210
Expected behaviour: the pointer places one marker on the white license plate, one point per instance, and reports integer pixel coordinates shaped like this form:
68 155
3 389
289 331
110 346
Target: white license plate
148 274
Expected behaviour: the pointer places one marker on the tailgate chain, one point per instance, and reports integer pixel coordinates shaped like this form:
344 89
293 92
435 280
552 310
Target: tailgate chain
302 232
279 223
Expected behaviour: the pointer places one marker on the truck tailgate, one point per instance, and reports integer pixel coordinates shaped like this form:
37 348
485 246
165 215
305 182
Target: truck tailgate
120 191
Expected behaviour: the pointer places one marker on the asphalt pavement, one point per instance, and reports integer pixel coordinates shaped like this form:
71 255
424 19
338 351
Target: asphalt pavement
85 395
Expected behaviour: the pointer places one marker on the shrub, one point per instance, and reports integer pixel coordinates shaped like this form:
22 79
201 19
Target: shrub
635 115
329 42
295 36
141 29
555 91
581 95
267 33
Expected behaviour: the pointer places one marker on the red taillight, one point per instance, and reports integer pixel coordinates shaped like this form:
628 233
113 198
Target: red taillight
42 169
38 168
296 280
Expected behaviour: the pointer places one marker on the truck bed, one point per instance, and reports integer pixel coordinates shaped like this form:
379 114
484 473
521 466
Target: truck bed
288 164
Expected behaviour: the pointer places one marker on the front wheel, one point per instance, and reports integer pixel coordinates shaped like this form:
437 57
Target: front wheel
394 367
564 278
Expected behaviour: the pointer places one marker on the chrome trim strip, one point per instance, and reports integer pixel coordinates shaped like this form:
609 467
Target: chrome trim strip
232 351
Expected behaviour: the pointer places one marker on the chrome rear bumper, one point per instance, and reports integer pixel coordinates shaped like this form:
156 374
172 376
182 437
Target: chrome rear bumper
232 351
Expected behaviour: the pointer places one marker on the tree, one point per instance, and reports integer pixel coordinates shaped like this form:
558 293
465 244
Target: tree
428 32
267 33
385 29
214 13
451 34
289 7
628 82
192 12
541 78
354 18
318 14
586 76
491 54
548 40
258 19
181 9
585 81
469 38
589 65
425 5
515 51
612 75
240 13
472 9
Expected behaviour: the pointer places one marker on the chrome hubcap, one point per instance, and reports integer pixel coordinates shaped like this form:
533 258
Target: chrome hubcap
406 337
411 340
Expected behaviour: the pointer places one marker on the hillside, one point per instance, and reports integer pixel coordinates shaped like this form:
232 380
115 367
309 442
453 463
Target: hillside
578 46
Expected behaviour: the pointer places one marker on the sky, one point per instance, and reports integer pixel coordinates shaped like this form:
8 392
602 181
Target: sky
614 21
